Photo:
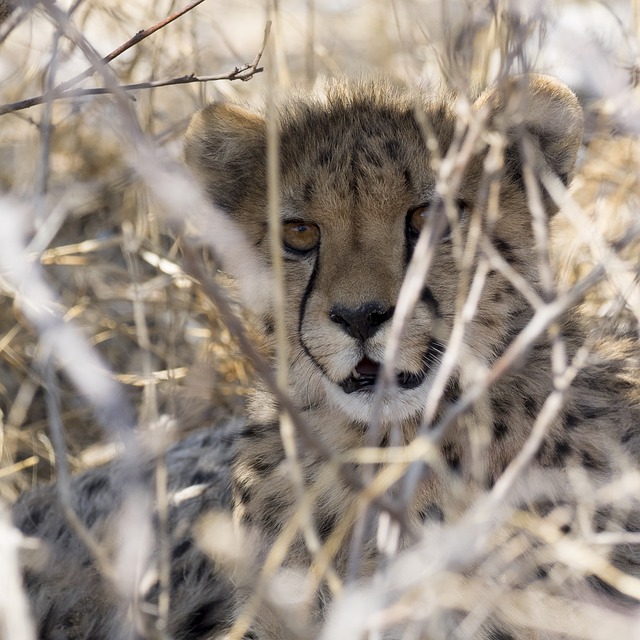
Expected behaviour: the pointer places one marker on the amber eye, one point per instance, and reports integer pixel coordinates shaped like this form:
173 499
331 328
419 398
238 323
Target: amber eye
417 219
300 237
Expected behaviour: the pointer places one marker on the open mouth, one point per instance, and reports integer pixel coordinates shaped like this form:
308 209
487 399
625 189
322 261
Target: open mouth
365 373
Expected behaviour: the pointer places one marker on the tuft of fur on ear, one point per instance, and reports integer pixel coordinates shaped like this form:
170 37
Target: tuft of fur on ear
542 109
225 146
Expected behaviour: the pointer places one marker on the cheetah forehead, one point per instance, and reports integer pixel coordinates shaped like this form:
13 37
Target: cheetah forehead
365 131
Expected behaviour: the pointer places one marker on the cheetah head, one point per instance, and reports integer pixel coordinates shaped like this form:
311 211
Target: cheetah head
363 170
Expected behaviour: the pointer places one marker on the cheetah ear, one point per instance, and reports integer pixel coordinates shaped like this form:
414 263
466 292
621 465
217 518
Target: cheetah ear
542 108
225 146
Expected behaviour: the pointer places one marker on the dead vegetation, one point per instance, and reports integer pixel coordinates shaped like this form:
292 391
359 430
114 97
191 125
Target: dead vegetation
81 169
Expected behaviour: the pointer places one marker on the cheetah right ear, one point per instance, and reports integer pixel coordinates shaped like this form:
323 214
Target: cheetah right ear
545 110
225 146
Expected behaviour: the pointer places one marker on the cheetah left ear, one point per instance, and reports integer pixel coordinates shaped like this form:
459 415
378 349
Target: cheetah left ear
542 108
225 146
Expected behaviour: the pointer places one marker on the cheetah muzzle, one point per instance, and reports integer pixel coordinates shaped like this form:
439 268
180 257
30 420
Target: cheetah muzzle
363 183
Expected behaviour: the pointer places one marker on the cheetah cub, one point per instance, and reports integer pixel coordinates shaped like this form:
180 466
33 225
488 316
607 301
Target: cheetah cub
421 405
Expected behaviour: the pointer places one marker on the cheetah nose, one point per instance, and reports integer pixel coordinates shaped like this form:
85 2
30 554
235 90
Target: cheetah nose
361 322
367 367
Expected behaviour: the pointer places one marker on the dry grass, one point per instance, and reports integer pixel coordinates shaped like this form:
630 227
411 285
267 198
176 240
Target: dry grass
101 246
94 227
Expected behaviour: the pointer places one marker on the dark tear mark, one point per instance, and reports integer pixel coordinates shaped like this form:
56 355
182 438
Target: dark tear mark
303 310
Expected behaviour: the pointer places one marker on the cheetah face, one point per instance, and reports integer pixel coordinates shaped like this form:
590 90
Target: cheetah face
343 284
358 185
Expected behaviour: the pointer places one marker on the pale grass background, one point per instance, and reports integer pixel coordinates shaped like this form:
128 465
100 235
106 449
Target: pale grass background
112 269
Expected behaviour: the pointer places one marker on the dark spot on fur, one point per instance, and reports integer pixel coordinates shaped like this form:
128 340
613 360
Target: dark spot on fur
269 325
429 299
561 450
257 431
499 406
601 518
541 573
384 441
505 250
95 484
498 634
91 516
324 157
452 457
565 529
408 178
180 549
326 525
607 590
486 321
531 406
307 191
204 620
452 391
243 492
271 513
628 436
632 524
392 148
593 413
589 462
543 508
513 165
152 593
361 427
263 467
372 158
431 513
570 421
203 477
33 520
500 430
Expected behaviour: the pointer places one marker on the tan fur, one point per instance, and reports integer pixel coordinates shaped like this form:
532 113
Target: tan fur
355 163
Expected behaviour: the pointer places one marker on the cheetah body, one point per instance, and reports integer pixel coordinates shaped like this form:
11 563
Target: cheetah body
362 170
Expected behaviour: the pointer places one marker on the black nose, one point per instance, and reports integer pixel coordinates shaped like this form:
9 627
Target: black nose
363 321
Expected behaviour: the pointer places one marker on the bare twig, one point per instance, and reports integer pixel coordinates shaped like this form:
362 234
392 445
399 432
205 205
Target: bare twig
244 73
137 38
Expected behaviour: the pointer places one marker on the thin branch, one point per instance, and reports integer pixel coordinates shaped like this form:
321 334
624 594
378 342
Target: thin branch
138 37
244 72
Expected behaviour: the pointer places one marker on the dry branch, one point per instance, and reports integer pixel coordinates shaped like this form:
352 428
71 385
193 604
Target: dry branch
243 72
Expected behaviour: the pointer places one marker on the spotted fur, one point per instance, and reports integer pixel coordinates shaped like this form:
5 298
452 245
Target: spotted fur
358 167
356 163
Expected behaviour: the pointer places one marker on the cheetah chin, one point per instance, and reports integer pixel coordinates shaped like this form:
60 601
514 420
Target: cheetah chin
480 473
